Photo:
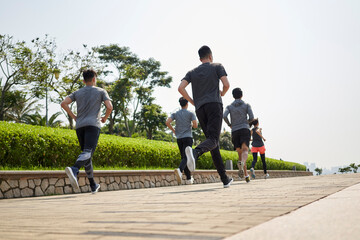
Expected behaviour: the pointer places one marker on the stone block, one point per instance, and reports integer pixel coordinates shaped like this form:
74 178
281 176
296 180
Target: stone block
157 184
137 185
76 190
152 184
59 190
103 187
38 191
9 194
31 183
128 185
141 185
67 190
130 179
152 179
117 180
52 181
102 180
107 180
116 186
112 179
110 187
85 189
136 179
168 178
97 179
1 195
50 190
44 184
23 183
4 186
67 181
124 179
16 192
82 181
60 183
13 183
27 192
37 182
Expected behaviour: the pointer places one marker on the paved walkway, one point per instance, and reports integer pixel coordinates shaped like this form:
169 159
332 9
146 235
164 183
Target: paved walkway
284 208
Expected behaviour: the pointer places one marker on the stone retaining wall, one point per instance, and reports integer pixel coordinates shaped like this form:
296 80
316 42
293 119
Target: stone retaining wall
15 184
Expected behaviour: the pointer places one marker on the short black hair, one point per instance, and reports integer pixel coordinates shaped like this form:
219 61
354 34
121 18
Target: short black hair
89 74
204 52
183 101
237 93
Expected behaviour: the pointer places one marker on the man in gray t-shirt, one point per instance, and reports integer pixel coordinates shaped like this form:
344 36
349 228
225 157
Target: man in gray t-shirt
88 100
205 81
184 121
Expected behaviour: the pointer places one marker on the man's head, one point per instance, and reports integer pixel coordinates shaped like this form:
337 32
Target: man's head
89 75
183 102
237 93
205 53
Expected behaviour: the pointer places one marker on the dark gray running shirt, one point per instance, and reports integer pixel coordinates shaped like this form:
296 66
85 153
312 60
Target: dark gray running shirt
239 112
205 83
88 101
183 120
257 141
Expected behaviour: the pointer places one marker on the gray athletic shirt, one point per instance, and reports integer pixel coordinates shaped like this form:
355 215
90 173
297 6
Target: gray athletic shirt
205 83
239 111
183 120
88 100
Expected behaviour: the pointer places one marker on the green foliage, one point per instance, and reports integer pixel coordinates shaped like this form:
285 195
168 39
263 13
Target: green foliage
26 146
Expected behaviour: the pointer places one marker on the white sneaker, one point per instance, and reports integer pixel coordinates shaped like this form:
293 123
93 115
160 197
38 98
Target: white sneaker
189 181
190 159
178 175
267 176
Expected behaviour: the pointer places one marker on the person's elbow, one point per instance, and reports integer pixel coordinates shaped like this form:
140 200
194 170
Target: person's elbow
63 104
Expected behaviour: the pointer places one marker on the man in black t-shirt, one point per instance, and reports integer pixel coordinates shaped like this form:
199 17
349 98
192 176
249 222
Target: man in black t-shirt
209 109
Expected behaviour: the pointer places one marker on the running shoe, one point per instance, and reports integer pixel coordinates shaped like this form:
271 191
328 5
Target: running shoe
252 172
247 178
189 181
95 188
191 156
178 175
267 176
227 182
72 173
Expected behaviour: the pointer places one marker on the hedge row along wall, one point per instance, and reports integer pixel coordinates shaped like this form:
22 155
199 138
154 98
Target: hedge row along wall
25 146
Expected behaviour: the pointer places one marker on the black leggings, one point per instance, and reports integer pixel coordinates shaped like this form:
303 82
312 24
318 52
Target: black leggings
182 144
262 156
88 138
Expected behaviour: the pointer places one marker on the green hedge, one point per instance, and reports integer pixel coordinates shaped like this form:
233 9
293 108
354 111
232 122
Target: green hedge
25 146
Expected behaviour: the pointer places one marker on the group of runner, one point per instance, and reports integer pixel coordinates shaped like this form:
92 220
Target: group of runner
206 97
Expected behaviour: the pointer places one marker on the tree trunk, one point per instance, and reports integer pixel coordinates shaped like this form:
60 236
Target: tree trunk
2 102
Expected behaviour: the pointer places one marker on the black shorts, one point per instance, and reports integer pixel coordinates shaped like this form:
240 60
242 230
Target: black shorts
240 136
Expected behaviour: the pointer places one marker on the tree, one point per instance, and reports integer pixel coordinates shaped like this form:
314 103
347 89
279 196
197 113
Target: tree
225 141
151 119
71 67
318 171
37 119
136 78
24 67
18 106
354 167
344 170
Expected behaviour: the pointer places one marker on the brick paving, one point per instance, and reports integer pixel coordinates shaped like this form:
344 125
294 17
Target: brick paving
202 211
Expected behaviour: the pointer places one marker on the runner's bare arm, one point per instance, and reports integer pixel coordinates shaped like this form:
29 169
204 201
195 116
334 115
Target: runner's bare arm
260 134
194 124
226 85
183 91
65 105
109 108
168 121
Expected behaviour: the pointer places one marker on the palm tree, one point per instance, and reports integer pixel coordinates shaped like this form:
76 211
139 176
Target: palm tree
37 119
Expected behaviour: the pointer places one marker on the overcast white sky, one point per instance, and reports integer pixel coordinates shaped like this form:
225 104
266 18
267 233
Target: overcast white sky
297 62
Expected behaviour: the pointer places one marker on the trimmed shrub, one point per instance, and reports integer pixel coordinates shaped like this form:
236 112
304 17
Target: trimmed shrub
27 146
